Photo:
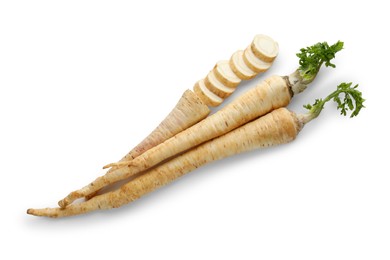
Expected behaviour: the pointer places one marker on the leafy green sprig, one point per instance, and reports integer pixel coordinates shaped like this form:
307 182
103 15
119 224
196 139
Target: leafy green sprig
312 58
352 101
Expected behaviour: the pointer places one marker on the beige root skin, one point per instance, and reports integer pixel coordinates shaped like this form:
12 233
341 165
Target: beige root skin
188 111
268 95
278 127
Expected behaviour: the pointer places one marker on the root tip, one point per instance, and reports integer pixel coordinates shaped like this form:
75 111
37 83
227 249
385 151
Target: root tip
63 203
118 164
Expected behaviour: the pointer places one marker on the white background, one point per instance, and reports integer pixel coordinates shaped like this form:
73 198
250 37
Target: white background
82 82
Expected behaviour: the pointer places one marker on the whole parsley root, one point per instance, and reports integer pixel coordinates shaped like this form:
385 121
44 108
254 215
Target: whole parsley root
272 93
277 127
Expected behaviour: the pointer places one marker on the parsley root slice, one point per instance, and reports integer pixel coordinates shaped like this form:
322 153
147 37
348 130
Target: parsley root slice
226 75
277 127
272 93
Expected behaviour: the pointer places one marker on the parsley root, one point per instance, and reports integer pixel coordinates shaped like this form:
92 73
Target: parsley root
273 93
277 127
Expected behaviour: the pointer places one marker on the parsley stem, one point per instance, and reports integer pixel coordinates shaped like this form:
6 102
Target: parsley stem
311 60
352 101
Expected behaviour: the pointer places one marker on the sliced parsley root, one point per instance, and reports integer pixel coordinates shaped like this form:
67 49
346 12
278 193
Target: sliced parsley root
277 127
274 92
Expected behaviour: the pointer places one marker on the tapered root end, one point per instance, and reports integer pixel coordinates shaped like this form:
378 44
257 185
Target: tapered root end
69 199
63 203
46 212
117 164
108 166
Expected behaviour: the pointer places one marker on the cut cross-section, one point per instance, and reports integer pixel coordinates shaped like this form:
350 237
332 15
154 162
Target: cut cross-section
265 48
239 67
208 97
225 74
255 63
216 86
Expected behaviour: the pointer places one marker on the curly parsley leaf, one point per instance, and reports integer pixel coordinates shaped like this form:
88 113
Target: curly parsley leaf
352 101
312 58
